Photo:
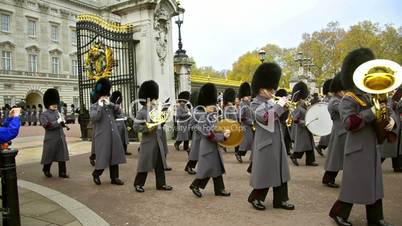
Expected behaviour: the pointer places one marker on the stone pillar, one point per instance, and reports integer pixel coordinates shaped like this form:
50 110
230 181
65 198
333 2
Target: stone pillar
153 28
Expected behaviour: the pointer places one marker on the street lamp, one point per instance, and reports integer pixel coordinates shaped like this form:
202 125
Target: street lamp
262 55
179 22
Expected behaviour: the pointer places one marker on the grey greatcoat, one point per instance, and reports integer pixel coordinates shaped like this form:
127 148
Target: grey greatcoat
106 142
195 141
336 146
183 118
390 150
54 143
303 138
152 143
246 121
121 126
324 140
270 166
210 160
362 173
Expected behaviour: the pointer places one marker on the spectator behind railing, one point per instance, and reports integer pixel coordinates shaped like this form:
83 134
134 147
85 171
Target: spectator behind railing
11 126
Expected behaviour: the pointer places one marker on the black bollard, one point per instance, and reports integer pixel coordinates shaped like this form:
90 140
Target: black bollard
11 208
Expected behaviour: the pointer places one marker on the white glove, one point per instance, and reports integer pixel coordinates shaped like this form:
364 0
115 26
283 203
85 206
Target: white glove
226 134
60 120
107 102
282 101
373 109
101 102
390 125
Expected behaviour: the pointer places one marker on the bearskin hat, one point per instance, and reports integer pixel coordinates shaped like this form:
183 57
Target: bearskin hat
33 107
194 98
281 93
229 96
148 90
266 76
336 84
51 97
208 95
244 90
325 87
300 91
7 106
351 62
102 88
185 95
116 97
65 105
40 106
72 106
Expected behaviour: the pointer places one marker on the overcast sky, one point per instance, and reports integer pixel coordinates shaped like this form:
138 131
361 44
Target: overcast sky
217 32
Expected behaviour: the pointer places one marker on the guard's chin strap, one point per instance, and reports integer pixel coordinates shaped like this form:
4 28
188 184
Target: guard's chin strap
356 98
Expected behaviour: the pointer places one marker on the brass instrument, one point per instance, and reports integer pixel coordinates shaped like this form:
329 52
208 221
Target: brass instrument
236 132
379 77
158 115
290 106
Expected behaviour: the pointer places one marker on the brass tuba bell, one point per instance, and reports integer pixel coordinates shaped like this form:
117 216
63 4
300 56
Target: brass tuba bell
379 77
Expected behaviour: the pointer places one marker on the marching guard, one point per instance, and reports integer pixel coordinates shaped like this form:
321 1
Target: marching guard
362 181
54 143
152 153
106 141
324 140
183 117
336 146
246 121
304 142
116 98
196 135
210 160
270 167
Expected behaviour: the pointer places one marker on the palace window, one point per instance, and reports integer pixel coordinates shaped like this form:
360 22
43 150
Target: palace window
74 67
32 28
5 22
54 32
74 37
6 60
32 63
55 65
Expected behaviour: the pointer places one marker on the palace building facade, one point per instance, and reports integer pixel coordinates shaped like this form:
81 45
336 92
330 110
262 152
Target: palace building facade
38 44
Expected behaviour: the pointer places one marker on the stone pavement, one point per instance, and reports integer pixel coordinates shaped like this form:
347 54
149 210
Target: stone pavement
121 205
36 210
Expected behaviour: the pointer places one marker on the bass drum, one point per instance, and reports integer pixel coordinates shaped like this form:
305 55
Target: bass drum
318 120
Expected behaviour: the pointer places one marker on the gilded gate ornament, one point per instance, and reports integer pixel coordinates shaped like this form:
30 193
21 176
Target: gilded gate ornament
99 61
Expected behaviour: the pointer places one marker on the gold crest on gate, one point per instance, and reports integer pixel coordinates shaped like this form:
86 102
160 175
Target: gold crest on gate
99 61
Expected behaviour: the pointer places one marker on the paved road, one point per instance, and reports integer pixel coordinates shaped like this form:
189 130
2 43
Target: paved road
121 205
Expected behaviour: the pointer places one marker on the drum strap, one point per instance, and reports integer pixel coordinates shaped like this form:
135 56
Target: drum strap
356 98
